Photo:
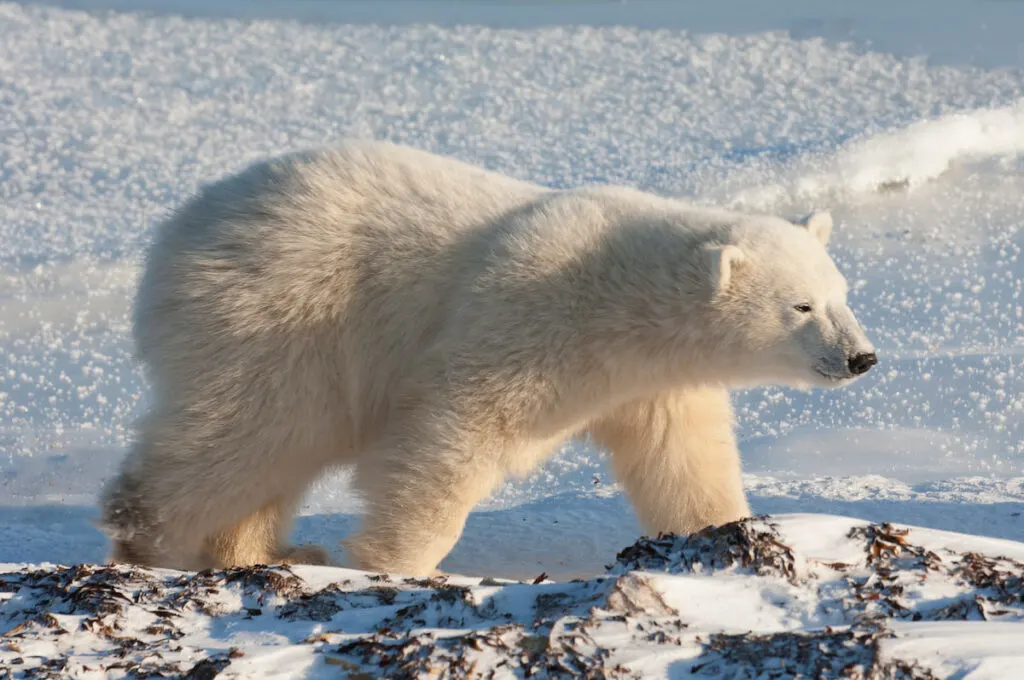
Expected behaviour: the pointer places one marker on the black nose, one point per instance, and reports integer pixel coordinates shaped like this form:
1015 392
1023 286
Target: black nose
862 363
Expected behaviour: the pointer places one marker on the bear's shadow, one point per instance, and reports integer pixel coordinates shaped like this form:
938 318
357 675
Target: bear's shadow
566 536
574 535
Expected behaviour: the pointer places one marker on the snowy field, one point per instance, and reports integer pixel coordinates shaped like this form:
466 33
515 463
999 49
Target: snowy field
905 119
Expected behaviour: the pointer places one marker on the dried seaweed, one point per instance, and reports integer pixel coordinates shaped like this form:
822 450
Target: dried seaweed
433 628
852 653
750 544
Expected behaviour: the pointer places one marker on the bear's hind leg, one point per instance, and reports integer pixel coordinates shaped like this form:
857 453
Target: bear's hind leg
677 458
127 519
417 505
261 538
188 501
136 520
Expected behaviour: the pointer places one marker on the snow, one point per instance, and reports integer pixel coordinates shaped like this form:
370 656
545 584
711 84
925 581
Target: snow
907 157
826 595
904 119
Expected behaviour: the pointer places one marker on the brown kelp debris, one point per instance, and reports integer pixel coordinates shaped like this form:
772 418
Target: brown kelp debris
751 543
478 654
897 567
852 654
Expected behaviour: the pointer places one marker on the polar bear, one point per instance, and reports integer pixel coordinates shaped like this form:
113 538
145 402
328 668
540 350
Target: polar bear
439 327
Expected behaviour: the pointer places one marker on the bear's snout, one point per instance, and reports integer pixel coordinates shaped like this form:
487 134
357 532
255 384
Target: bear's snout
862 363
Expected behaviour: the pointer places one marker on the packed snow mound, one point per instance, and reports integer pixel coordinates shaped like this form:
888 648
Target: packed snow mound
816 595
926 149
898 160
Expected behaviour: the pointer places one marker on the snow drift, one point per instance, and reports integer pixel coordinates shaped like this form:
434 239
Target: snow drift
799 595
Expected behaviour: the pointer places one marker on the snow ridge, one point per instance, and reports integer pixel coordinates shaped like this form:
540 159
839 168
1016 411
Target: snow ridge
761 598
896 160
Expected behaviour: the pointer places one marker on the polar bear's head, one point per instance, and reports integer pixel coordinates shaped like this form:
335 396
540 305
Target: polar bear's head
779 304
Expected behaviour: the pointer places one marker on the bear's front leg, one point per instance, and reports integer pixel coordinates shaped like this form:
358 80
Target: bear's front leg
418 497
677 458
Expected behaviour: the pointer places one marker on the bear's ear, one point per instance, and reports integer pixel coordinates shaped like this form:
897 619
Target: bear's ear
819 223
722 260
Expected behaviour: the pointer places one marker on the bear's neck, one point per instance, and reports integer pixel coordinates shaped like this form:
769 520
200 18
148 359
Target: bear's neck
646 348
640 309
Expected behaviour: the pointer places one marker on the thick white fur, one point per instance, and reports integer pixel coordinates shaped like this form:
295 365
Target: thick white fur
439 327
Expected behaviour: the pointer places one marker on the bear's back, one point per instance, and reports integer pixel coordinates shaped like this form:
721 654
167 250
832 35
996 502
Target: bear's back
288 234
356 249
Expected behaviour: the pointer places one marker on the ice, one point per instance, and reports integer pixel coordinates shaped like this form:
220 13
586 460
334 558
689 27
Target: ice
114 118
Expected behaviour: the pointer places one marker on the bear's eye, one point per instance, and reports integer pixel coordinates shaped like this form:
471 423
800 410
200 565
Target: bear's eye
803 309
